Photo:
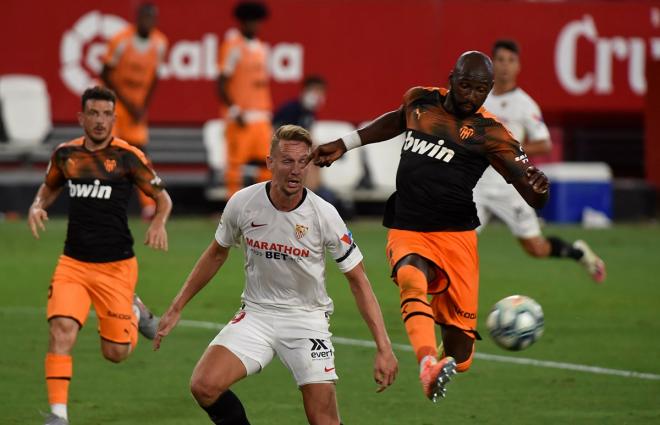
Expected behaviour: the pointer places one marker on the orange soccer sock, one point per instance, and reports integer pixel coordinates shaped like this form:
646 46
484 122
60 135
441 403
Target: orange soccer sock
59 369
416 312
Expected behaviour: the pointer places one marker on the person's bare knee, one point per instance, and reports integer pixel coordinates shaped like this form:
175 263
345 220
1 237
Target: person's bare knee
115 353
62 335
205 391
420 263
215 373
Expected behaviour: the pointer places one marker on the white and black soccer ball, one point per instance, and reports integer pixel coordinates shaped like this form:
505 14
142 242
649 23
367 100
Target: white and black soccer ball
515 322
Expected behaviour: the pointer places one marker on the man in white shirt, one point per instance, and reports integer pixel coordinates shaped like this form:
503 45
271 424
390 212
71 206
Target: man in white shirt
493 196
284 230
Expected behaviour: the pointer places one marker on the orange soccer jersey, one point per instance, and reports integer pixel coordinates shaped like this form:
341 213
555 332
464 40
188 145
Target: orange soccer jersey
245 62
134 66
99 184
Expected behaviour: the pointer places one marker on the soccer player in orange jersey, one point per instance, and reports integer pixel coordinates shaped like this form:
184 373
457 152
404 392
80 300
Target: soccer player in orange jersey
98 265
243 88
131 70
432 245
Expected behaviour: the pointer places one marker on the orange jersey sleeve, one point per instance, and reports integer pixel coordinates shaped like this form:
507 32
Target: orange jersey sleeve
54 176
140 171
415 93
504 153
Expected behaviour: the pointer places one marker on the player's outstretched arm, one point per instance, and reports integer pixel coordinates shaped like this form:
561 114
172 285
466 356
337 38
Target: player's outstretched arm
156 236
385 365
37 214
533 187
207 266
385 127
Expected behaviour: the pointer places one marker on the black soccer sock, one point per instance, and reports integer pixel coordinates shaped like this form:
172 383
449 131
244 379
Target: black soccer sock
227 410
562 249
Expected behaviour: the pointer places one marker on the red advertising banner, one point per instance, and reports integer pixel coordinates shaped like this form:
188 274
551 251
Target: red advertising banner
585 56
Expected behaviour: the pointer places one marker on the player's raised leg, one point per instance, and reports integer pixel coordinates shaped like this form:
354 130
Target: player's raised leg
413 274
552 246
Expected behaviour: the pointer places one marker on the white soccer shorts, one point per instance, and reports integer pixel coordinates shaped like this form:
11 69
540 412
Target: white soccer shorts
507 204
301 340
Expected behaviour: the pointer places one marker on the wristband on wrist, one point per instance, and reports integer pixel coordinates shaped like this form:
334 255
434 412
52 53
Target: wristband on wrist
352 140
234 111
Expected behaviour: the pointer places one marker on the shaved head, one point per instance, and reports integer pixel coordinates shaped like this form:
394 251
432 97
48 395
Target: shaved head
474 64
469 83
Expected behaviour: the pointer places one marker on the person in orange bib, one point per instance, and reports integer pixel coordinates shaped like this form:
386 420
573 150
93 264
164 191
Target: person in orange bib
432 245
131 71
98 266
243 88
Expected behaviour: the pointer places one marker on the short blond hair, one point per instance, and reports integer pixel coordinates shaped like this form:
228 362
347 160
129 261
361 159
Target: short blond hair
290 132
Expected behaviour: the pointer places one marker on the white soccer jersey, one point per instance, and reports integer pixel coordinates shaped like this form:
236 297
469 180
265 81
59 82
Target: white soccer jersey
285 251
493 195
522 116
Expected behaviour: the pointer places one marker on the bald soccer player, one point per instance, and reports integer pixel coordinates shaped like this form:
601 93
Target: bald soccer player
432 243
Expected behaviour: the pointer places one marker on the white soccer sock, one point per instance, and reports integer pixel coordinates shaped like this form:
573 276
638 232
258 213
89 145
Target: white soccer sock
59 409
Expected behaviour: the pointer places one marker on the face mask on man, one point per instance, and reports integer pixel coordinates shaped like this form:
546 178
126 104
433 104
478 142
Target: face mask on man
312 99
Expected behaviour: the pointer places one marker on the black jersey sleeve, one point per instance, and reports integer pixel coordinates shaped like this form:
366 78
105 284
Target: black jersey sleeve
505 153
142 174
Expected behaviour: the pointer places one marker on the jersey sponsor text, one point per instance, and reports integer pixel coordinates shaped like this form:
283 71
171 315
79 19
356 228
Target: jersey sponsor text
277 247
96 190
425 147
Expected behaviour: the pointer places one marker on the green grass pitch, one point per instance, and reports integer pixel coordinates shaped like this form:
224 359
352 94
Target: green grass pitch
615 325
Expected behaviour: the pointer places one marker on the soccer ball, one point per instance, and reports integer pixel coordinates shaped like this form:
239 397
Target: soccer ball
515 322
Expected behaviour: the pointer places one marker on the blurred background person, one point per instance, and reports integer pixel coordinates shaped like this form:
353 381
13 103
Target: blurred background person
131 71
243 88
494 196
302 111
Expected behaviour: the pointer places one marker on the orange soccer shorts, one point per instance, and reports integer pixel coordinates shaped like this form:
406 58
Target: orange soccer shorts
109 286
455 292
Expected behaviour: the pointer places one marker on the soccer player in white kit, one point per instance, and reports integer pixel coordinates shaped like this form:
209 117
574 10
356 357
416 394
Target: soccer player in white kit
284 230
493 196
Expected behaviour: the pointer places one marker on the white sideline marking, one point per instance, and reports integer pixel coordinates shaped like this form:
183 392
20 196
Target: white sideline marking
404 347
483 356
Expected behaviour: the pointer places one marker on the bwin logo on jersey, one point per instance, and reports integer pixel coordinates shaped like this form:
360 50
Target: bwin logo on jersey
95 190
430 149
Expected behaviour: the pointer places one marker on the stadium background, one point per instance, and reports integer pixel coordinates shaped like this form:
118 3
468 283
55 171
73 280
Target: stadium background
594 69
591 71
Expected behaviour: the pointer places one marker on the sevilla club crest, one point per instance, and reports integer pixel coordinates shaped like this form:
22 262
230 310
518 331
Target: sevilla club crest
300 231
